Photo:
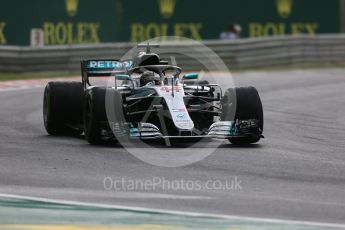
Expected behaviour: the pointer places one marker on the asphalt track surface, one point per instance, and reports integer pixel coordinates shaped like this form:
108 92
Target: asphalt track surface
296 173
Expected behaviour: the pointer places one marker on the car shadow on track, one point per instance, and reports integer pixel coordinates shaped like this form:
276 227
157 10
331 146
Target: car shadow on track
233 146
156 143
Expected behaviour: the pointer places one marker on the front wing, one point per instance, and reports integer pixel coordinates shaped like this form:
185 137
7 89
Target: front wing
219 130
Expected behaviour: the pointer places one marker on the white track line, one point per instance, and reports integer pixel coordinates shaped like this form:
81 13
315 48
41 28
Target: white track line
171 212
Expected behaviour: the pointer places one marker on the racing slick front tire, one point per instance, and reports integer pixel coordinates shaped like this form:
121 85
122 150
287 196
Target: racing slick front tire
62 108
243 103
94 114
116 117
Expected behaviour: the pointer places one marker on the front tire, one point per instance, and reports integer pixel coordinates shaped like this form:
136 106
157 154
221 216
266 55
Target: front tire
94 114
243 103
96 118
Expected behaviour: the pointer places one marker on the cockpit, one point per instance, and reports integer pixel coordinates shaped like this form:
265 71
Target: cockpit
155 75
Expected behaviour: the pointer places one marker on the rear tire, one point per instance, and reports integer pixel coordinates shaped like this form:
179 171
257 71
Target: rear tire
62 108
243 103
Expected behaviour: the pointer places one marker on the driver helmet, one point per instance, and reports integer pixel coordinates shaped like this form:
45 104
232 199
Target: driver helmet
147 77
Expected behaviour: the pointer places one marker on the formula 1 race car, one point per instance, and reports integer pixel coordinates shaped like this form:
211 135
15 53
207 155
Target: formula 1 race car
150 100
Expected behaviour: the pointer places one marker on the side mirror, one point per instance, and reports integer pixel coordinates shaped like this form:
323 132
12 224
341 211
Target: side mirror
122 77
190 76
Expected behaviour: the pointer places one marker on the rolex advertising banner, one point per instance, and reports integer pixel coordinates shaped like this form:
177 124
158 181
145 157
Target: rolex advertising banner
89 21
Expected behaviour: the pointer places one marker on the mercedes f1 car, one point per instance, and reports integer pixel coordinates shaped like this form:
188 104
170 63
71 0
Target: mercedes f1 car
150 99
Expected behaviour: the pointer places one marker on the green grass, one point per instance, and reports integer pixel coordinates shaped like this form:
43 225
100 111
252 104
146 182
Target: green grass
39 75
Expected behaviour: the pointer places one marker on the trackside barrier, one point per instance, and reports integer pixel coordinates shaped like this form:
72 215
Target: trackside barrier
282 51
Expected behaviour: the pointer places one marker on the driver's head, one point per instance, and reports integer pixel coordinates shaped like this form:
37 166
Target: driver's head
146 77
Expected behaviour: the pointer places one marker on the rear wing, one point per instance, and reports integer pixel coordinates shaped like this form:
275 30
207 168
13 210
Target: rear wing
103 68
